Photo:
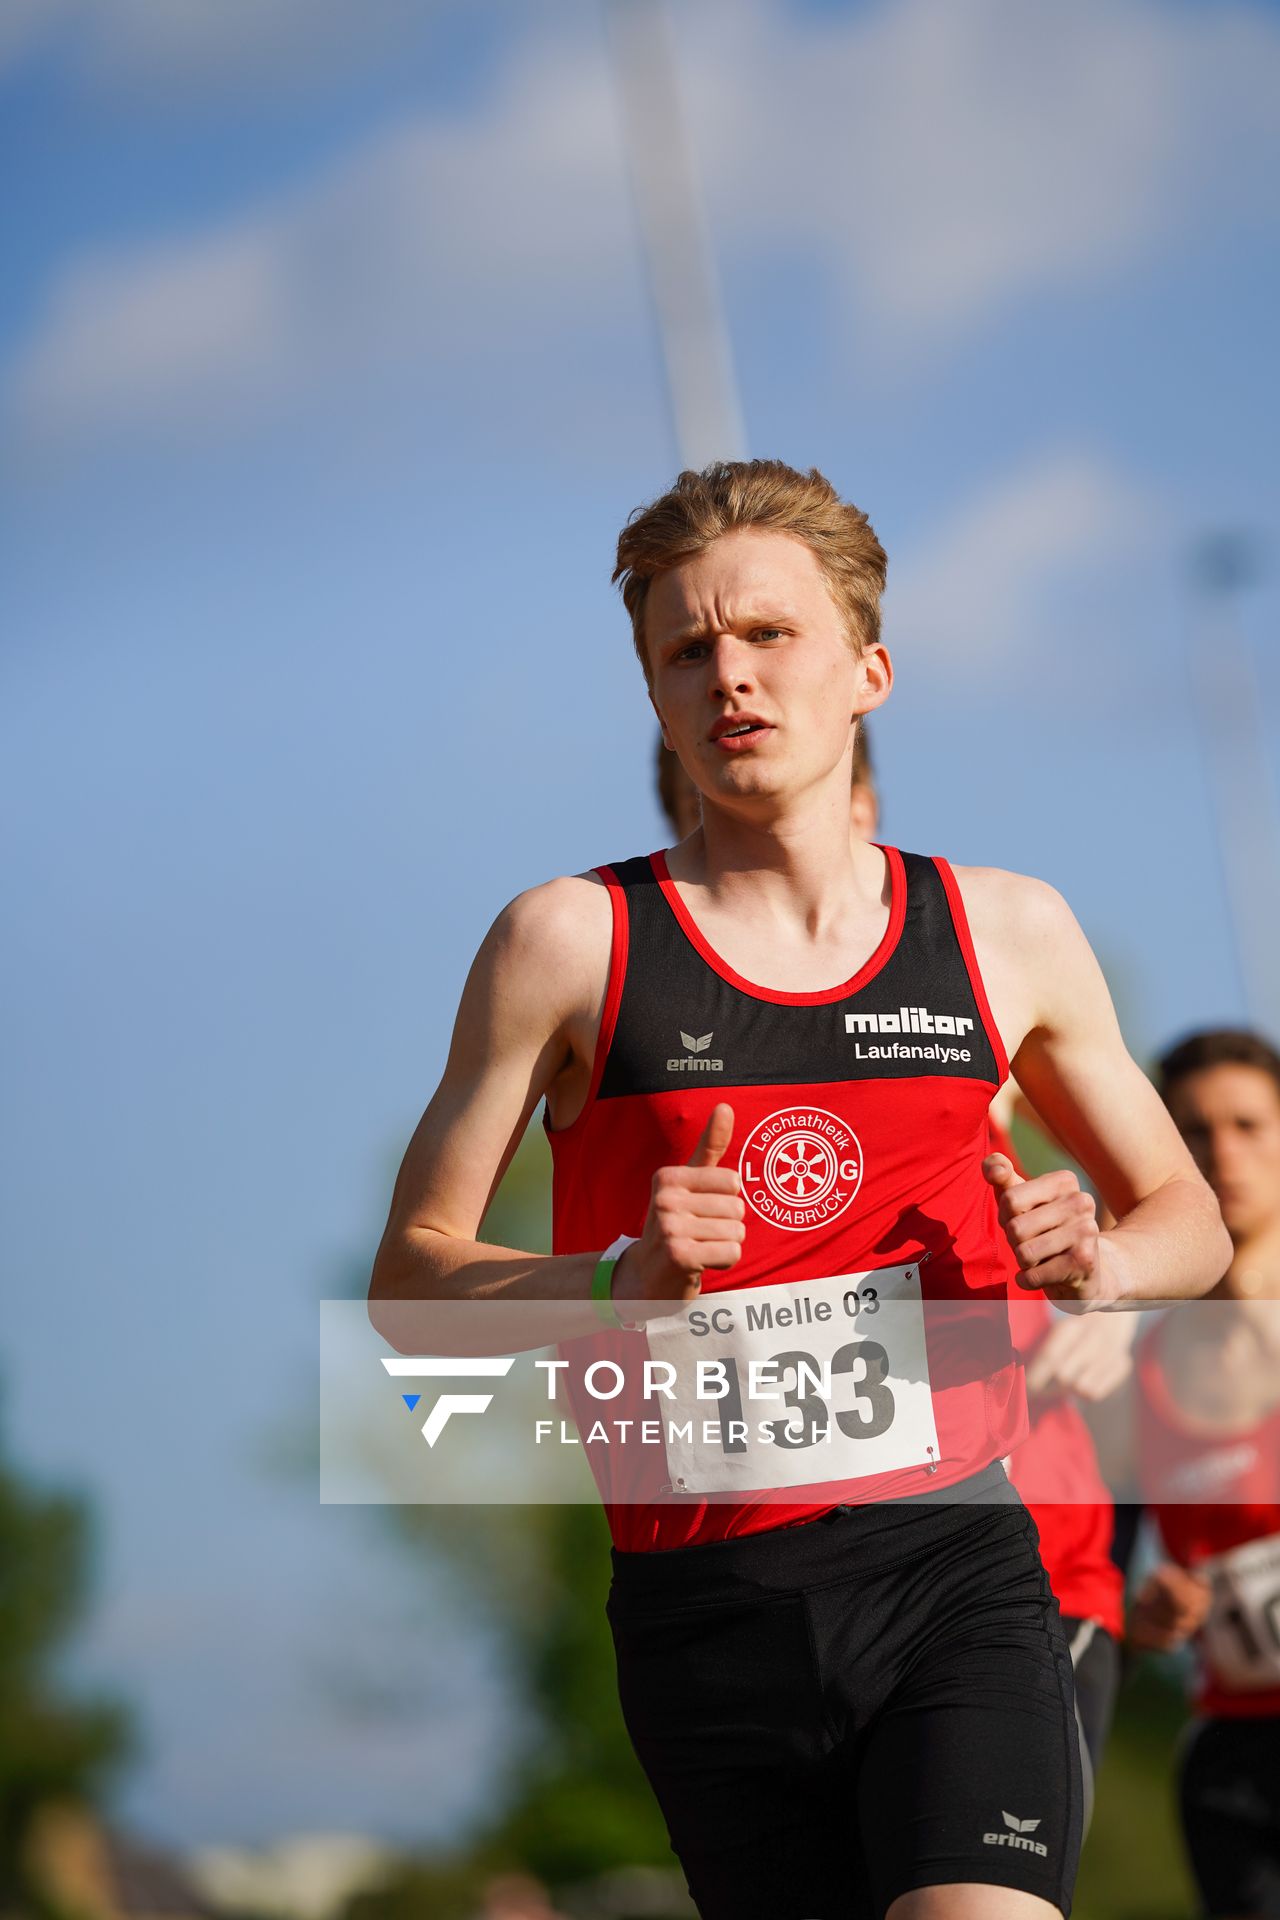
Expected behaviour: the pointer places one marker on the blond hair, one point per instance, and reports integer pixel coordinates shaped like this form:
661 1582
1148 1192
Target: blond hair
730 494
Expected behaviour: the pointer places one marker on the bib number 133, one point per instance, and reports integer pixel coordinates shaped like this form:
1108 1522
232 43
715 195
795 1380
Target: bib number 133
750 1410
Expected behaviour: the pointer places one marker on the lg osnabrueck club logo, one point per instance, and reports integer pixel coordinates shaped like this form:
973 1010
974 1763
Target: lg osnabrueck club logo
421 1367
801 1168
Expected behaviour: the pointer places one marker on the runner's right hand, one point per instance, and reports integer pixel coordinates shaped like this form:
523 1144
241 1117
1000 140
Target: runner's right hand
1169 1607
696 1219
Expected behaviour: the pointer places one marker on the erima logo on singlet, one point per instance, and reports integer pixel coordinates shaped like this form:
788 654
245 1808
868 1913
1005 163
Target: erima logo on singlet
908 1020
697 1059
1018 1835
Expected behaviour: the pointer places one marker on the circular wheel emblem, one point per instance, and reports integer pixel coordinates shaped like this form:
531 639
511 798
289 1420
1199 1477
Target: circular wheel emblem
801 1168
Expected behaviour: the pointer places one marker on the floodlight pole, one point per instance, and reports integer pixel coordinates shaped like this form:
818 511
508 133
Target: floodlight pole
1241 777
675 238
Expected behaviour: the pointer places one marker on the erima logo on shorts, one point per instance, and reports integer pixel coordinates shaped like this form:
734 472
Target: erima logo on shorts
908 1020
695 1060
1018 1835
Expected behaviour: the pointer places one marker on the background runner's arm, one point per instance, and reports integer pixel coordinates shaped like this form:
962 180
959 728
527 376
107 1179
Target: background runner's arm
1169 1241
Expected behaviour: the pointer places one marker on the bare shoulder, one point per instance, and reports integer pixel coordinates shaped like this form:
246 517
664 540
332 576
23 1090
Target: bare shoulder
1034 960
553 921
551 943
1015 907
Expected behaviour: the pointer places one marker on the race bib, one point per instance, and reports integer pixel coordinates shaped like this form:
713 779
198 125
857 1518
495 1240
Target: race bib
796 1385
1241 1637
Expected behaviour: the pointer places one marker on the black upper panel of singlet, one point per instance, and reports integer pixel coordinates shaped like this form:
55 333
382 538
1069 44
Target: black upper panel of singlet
671 996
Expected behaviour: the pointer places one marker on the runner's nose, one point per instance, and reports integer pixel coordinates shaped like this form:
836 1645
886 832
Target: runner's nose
732 666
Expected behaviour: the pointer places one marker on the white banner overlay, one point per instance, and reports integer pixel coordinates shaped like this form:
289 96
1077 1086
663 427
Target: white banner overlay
810 1391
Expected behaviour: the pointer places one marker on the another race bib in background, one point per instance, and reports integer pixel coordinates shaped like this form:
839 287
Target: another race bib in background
1241 1637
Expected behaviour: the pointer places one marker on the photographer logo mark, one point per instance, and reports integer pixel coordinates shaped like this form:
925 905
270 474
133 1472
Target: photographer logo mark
427 1367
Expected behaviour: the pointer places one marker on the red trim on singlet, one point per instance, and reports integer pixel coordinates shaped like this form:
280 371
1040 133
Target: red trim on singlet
959 920
618 947
867 971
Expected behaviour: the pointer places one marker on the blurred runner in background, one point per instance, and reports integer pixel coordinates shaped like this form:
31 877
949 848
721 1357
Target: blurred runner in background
1209 1462
1056 1468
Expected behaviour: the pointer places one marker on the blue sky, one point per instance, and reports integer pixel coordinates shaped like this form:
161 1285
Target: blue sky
327 373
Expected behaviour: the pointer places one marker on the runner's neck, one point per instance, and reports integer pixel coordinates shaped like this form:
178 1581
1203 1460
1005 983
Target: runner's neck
752 926
804 873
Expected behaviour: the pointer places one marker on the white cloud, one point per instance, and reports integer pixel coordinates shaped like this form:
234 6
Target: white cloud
442 241
152 47
985 590
947 157
944 159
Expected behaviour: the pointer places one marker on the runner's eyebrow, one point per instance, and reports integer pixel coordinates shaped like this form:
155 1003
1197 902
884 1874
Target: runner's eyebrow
702 629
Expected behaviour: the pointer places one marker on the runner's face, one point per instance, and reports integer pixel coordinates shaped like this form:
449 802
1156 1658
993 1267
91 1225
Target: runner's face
754 677
1229 1116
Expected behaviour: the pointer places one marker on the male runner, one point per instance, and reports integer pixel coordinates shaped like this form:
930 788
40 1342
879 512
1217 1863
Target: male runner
855 1687
1209 1427
1055 1469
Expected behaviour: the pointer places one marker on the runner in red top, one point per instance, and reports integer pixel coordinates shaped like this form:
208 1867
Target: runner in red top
1209 1458
866 1700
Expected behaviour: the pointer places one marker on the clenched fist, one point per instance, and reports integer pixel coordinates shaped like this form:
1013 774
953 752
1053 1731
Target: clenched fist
1052 1225
696 1219
1170 1606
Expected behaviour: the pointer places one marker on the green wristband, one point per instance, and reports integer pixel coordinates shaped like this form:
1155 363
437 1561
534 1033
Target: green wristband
602 1284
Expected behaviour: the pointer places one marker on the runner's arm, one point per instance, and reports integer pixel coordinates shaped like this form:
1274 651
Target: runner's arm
537 978
530 1014
1169 1241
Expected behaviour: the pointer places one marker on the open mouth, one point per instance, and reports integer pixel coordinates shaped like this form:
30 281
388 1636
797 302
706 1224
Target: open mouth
742 733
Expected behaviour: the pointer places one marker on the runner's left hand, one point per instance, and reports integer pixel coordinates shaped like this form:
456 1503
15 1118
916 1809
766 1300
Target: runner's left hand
1052 1225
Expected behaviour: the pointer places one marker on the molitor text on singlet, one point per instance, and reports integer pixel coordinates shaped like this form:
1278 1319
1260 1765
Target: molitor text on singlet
801 1167
909 1020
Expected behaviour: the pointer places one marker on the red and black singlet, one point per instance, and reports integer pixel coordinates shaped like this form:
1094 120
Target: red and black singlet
860 1126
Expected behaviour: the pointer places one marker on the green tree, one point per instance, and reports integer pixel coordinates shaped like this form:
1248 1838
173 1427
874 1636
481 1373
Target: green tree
52 1748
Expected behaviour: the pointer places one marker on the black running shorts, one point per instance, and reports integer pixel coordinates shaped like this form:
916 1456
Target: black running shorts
1229 1799
833 1714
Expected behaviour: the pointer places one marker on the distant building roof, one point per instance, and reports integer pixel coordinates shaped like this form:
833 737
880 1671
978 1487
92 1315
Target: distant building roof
151 1884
